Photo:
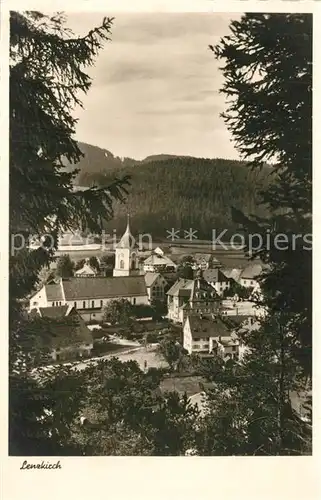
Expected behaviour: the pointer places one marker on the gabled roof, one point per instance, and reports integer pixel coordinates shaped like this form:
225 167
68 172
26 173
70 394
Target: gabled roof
86 269
159 260
206 326
95 288
54 312
150 278
67 327
234 273
252 271
197 289
179 284
214 276
54 292
202 290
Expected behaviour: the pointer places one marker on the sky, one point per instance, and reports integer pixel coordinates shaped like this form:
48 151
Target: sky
156 86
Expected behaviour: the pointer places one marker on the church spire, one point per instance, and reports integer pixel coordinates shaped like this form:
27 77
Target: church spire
127 228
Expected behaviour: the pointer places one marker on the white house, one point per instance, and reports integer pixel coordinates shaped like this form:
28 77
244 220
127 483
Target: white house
209 335
212 334
155 284
217 279
90 295
249 275
157 263
186 296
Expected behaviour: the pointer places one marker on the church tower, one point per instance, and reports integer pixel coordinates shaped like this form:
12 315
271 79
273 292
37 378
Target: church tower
126 261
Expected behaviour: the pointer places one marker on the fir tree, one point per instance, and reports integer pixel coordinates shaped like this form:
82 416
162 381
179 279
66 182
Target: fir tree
47 76
268 80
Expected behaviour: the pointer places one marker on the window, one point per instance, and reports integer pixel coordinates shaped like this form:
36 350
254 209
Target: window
134 301
75 305
84 304
35 303
60 303
92 304
234 348
121 265
53 304
196 346
101 303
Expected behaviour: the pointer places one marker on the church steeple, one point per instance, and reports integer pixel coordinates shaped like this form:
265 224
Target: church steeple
125 255
127 228
127 240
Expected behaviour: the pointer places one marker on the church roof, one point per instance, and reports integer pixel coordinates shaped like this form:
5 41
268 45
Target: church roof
54 292
120 286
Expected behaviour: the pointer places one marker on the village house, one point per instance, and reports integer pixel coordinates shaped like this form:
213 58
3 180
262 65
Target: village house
155 284
217 279
158 263
186 296
67 336
212 334
86 271
89 296
205 261
248 277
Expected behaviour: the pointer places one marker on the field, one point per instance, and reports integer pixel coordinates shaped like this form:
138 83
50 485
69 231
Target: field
228 257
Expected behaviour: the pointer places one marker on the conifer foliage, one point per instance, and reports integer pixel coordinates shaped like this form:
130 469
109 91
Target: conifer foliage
267 68
47 76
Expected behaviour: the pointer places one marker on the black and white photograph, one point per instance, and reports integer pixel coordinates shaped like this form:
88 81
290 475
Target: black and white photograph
160 235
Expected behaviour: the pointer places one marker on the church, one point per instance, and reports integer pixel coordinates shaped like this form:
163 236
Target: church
89 295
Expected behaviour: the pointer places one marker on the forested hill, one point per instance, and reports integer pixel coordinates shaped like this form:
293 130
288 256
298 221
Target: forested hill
176 192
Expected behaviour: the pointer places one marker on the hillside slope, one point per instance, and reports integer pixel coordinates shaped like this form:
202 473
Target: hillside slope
176 192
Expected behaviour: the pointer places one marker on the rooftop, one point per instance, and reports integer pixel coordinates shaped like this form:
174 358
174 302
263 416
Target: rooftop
206 326
214 276
158 260
65 328
95 288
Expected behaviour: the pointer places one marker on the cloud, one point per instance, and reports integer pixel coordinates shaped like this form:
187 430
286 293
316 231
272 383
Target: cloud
156 87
